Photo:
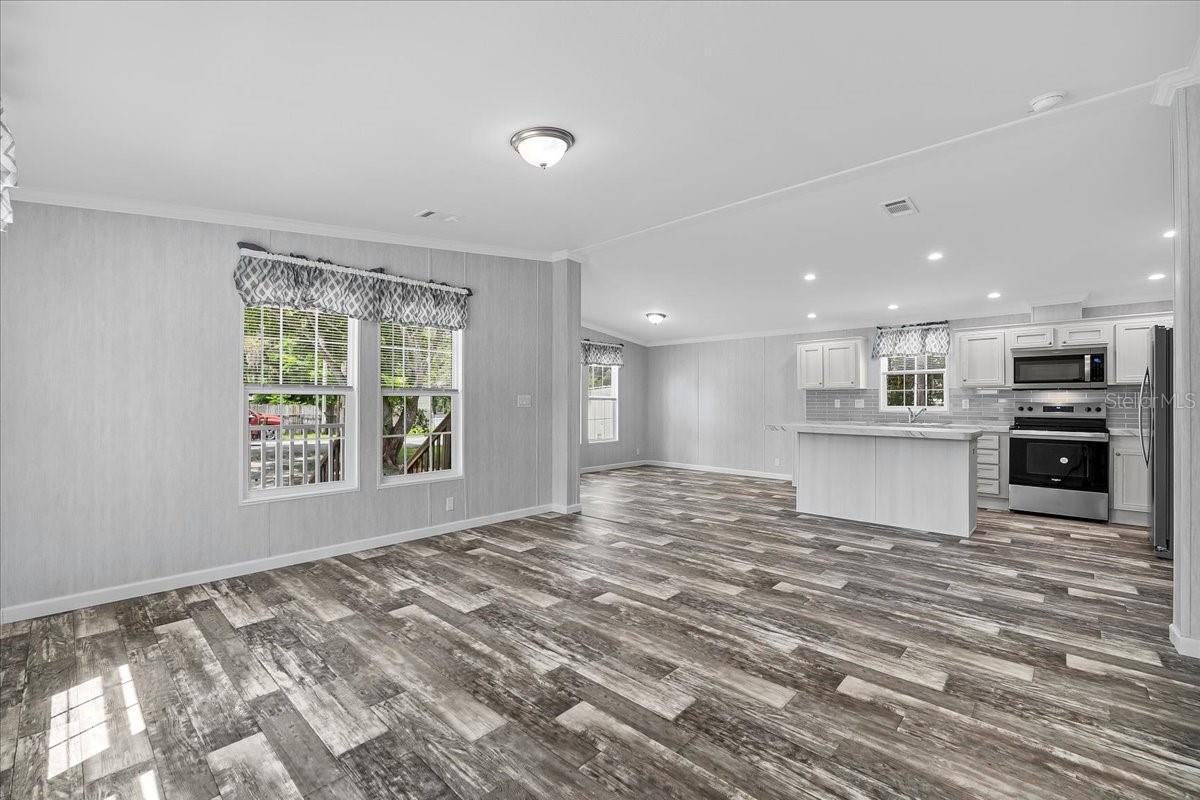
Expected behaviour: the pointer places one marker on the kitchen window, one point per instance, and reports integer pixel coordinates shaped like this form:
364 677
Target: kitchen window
912 382
419 380
298 402
601 391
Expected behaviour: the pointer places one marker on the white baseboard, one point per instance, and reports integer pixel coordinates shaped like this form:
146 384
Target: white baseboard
1184 645
124 591
746 473
571 509
606 467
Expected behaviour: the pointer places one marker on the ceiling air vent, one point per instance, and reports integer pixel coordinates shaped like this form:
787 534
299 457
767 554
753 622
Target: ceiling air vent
898 208
424 214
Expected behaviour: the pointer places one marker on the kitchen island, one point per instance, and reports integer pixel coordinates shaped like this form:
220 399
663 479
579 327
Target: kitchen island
919 476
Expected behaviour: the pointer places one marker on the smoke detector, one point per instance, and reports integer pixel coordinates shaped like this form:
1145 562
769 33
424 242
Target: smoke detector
1045 102
901 207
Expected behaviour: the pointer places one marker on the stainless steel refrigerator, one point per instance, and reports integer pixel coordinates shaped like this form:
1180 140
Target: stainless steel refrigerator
1155 401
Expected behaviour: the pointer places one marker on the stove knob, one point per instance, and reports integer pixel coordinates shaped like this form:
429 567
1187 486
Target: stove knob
1020 408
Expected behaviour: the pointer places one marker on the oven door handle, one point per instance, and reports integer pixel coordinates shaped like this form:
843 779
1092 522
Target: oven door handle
1086 436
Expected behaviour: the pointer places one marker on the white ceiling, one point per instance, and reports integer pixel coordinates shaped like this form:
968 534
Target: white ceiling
359 114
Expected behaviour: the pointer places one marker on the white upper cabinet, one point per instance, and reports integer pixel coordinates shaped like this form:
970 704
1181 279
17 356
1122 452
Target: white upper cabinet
842 370
980 358
1131 349
810 366
1087 333
831 364
1022 338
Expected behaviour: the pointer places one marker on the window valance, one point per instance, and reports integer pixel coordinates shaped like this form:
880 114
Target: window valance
927 338
601 354
264 278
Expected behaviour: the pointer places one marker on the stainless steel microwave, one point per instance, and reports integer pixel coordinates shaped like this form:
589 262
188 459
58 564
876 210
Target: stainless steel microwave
1060 369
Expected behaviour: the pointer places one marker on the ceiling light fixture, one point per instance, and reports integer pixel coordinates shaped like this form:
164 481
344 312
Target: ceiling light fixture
892 307
1047 101
656 317
542 147
811 315
935 256
993 295
1169 234
809 276
1156 276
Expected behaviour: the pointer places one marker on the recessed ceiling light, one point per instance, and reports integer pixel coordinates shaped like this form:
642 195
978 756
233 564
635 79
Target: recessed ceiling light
1156 276
811 315
1169 234
934 256
542 147
892 307
993 295
809 276
656 317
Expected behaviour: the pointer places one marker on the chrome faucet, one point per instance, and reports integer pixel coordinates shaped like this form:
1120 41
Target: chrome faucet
912 416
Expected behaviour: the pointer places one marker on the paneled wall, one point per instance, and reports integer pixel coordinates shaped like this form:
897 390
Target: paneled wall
631 409
120 402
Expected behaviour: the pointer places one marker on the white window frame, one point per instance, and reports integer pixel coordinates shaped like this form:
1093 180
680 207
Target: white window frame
883 376
616 401
350 438
456 431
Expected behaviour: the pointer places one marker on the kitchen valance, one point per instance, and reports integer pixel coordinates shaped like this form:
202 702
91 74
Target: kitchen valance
601 354
264 278
927 338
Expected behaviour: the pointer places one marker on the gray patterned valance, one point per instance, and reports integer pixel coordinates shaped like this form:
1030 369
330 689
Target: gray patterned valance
601 354
264 278
928 338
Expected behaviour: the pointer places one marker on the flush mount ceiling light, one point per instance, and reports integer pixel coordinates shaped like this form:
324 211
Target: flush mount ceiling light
656 317
812 315
1045 102
1169 234
542 147
1156 276
809 276
935 256
892 306
993 295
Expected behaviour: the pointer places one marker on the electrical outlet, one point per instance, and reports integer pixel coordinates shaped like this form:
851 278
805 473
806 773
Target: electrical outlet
837 403
860 403
966 402
524 401
779 462
637 451
449 503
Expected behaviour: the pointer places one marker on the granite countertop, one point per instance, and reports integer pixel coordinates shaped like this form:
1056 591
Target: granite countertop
1123 432
893 430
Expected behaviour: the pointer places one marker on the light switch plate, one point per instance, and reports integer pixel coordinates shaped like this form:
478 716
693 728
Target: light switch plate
449 503
966 402
524 401
860 403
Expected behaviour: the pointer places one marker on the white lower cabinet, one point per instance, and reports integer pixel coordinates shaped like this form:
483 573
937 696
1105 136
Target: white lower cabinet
1130 475
991 459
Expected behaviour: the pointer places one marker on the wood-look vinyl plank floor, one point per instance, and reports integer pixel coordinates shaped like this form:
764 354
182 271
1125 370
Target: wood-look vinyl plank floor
687 636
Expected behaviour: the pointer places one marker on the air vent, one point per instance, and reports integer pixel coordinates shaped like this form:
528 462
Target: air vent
425 213
898 208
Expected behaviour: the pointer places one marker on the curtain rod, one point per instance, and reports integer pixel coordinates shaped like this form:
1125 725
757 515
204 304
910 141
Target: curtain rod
913 325
607 344
255 251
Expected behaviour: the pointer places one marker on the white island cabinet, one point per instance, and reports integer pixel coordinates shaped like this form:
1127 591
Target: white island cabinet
921 477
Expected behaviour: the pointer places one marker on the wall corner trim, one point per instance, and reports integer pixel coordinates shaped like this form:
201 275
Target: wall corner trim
125 591
1184 645
1170 82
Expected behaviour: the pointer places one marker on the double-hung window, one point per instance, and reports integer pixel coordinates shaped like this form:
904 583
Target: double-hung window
299 402
913 382
601 391
419 371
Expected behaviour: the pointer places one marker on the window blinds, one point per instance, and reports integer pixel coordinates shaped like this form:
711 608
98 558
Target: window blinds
286 347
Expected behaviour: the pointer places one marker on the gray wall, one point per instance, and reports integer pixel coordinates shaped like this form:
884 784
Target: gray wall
631 409
709 402
119 333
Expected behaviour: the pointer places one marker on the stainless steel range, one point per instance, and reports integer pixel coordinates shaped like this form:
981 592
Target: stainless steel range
1058 459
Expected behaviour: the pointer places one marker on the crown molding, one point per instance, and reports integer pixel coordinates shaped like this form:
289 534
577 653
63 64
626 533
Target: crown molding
124 205
1170 82
625 337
